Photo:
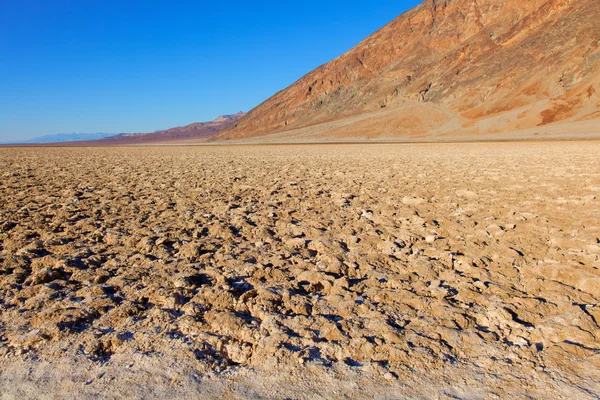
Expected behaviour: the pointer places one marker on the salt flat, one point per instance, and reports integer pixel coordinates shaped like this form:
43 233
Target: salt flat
301 271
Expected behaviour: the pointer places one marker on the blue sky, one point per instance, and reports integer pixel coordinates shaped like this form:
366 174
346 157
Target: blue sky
140 66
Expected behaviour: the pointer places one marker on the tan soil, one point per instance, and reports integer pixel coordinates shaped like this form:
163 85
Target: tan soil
322 271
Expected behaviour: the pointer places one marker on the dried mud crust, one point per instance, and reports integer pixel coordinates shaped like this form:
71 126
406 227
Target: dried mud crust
397 259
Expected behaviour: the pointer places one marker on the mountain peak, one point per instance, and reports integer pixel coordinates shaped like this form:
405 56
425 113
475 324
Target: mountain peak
227 117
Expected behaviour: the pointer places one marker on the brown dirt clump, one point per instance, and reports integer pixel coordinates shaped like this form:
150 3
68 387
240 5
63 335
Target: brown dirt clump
458 269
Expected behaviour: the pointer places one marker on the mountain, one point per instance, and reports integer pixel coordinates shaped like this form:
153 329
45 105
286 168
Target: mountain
196 131
64 137
450 69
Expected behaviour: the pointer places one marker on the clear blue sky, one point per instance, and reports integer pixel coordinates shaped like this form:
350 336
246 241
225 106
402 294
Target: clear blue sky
139 66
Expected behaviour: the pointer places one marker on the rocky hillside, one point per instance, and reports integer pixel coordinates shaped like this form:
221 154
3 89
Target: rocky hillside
446 68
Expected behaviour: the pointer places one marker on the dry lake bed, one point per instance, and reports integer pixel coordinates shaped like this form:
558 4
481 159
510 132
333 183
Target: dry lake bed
301 271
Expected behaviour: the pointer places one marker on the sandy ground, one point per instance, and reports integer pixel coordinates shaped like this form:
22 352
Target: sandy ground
383 127
321 271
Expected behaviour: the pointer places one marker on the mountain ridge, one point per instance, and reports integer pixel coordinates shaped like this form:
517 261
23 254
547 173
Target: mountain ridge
488 65
63 138
194 131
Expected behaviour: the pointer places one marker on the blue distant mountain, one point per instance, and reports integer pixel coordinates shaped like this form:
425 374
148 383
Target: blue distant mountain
64 137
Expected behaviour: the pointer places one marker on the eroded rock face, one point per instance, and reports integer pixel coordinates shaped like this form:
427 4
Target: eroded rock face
395 257
449 68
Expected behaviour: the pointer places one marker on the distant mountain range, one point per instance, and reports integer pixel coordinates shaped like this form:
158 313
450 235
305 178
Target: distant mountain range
64 138
198 131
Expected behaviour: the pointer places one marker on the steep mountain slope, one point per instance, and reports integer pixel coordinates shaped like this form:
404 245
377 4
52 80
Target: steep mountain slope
449 68
196 131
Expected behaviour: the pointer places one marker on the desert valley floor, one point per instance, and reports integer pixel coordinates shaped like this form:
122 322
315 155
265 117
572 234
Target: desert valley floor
301 271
